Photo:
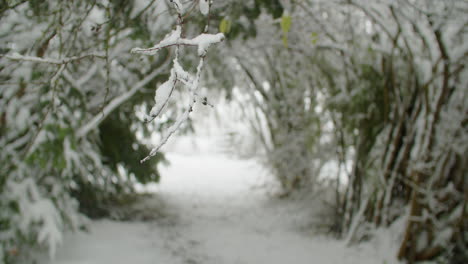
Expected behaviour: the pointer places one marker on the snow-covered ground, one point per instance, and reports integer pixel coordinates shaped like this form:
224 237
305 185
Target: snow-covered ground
216 210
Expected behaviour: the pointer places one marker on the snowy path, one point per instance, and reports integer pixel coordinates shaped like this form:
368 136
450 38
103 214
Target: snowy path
214 215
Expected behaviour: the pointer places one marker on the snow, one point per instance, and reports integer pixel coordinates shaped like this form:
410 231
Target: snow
113 242
162 95
44 211
204 41
216 210
204 7
181 74
21 119
19 57
36 209
71 157
178 6
169 40
183 117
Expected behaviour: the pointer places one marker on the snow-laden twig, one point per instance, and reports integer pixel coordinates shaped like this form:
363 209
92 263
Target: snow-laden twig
204 6
164 91
170 39
203 42
19 57
182 75
162 96
183 117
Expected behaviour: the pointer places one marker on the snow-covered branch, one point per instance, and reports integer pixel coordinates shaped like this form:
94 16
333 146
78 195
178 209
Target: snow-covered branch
183 117
164 91
203 42
19 57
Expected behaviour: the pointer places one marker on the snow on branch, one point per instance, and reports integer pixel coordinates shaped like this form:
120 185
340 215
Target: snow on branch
204 6
19 57
178 74
162 96
171 39
183 117
182 75
203 42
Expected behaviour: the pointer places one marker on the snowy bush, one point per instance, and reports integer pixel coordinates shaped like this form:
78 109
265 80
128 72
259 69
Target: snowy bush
69 91
385 81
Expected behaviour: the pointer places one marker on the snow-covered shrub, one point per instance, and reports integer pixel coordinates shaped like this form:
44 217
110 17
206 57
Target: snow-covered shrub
70 136
69 88
386 80
276 97
397 108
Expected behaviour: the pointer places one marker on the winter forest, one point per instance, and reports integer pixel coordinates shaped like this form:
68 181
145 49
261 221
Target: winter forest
222 131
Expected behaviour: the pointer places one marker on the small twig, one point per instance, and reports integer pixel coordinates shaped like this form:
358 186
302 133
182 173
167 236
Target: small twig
153 50
203 41
206 103
191 9
183 118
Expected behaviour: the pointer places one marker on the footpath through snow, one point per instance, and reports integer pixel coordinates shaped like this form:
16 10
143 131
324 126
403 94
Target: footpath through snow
214 212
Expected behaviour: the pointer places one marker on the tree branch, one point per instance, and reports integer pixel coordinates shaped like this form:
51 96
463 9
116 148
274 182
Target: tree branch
19 57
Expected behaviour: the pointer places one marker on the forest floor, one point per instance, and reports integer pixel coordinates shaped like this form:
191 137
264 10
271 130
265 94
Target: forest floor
211 209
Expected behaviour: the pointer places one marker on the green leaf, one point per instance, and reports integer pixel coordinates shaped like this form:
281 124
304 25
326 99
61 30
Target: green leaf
225 26
285 40
314 37
286 23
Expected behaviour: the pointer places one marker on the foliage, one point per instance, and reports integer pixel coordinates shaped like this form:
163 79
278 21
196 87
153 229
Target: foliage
69 87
